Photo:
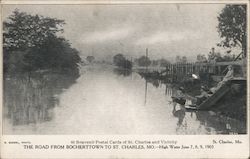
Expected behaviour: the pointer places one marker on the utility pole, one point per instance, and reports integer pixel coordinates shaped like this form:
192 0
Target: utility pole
147 58
146 91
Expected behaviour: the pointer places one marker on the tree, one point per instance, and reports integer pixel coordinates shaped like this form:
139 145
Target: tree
120 61
228 58
179 59
163 62
125 64
201 58
61 58
90 59
232 27
118 58
184 59
144 61
216 57
31 43
22 31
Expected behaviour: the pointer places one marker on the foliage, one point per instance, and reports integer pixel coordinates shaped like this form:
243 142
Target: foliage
228 57
182 59
120 61
126 64
201 58
31 44
118 58
62 57
214 56
90 59
163 62
232 27
159 62
143 61
22 31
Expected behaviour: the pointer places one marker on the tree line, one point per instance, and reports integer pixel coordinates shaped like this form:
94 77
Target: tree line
31 43
120 61
232 31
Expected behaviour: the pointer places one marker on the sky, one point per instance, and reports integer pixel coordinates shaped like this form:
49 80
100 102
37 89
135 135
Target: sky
167 30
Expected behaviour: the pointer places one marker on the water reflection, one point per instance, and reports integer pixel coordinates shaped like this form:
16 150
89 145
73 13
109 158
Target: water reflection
122 72
169 89
104 100
31 99
149 79
209 121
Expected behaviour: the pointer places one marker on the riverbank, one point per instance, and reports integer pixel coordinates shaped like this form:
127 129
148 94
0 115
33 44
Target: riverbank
232 105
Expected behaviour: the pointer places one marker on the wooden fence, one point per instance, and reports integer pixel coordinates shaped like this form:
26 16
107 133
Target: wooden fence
182 71
179 71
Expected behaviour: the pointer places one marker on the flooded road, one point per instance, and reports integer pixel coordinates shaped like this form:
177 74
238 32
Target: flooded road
108 101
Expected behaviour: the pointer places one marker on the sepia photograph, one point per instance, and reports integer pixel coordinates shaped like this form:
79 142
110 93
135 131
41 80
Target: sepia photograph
125 69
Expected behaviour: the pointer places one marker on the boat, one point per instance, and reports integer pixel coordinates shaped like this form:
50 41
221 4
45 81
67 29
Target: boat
215 97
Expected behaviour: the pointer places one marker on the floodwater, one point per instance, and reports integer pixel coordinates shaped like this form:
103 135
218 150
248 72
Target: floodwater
104 100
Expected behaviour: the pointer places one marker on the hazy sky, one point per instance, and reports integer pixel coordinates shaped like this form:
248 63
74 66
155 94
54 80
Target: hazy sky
166 30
